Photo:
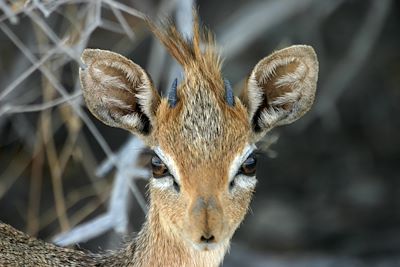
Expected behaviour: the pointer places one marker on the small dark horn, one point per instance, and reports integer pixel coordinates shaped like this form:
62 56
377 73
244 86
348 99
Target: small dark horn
229 96
172 94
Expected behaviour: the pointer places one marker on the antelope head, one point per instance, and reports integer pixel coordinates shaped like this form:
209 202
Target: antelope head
203 137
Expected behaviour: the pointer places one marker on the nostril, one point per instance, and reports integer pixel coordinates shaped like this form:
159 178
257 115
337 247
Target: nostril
207 238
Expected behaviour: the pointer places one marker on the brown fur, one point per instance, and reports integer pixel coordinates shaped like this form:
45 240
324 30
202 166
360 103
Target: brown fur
201 138
197 56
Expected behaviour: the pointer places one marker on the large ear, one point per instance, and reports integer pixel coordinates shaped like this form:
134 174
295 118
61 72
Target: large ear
118 92
281 88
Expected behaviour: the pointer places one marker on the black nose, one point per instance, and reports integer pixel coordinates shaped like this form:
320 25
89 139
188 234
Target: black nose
207 238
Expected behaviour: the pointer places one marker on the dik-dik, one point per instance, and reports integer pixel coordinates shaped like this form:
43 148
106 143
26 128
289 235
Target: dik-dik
203 138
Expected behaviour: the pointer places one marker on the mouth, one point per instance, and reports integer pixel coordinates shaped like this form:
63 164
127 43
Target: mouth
206 246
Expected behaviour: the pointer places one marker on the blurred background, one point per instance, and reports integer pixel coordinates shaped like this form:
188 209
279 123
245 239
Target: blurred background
329 185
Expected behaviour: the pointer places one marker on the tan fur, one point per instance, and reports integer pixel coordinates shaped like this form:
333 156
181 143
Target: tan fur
197 56
17 249
202 139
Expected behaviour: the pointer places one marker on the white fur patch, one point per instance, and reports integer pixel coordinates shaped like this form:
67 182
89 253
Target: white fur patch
207 255
245 182
131 121
269 117
162 183
255 95
145 96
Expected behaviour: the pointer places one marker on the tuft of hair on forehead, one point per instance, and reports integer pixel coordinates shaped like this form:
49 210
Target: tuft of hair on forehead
196 55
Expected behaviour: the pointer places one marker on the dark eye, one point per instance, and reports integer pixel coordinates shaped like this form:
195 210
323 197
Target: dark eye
249 166
159 168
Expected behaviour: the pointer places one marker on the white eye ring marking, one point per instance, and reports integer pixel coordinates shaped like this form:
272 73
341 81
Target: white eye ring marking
169 162
162 183
238 161
244 182
240 180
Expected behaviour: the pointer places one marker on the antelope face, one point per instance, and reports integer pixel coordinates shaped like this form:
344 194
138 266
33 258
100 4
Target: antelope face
204 165
202 136
203 204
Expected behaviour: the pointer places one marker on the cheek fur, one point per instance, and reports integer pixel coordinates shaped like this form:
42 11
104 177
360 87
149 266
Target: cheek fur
167 203
237 204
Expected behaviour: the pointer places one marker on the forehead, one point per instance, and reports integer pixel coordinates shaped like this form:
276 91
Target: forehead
202 128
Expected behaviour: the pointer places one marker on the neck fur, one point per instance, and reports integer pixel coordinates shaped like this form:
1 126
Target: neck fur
154 246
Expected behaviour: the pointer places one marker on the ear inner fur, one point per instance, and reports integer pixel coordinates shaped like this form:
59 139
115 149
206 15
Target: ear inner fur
118 91
281 88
